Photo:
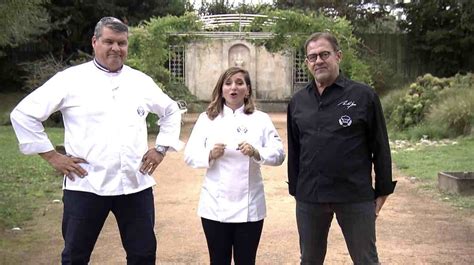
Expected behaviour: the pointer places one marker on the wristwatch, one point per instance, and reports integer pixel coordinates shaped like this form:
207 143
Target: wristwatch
162 149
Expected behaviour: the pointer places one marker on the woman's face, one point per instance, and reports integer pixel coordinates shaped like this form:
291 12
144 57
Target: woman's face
234 91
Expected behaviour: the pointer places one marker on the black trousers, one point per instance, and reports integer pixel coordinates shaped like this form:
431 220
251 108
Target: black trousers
84 216
357 222
242 238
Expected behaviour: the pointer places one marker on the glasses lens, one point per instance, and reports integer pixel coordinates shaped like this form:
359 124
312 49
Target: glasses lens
324 55
313 57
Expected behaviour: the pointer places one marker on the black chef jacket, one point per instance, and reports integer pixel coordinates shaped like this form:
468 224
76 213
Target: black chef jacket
333 140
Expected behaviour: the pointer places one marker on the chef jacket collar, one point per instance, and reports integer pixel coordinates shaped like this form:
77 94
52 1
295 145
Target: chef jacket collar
228 111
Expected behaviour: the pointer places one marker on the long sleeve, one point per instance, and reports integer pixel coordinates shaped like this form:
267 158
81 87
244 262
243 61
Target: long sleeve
293 153
28 115
196 152
170 120
271 152
380 148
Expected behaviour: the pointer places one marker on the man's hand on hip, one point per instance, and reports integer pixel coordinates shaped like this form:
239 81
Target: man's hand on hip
67 165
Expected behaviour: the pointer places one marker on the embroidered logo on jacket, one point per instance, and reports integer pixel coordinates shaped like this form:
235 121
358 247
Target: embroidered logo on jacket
242 129
140 111
348 104
345 121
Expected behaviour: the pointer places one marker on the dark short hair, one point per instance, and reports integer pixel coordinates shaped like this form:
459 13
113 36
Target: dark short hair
217 101
322 35
110 22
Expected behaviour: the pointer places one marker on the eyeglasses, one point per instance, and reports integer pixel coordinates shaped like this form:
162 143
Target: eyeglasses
314 57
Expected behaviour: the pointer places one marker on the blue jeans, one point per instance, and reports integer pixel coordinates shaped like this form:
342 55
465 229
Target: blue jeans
85 214
357 222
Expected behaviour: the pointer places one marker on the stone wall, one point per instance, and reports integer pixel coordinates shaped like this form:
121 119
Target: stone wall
271 74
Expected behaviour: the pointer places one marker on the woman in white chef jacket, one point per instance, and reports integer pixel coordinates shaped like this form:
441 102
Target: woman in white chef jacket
232 139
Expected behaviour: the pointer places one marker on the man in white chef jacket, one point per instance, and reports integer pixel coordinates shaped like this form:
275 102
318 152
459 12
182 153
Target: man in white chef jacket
108 165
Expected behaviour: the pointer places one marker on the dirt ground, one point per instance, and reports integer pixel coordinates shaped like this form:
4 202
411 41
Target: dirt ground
414 227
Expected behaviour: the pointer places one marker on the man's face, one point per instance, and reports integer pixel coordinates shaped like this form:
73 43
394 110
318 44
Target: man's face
111 48
326 70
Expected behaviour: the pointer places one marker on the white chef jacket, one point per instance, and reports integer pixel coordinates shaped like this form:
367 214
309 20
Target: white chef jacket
104 120
233 191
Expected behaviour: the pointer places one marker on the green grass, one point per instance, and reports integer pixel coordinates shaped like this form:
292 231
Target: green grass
26 182
425 163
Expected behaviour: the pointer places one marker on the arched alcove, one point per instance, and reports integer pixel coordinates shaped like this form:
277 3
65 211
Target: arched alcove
239 55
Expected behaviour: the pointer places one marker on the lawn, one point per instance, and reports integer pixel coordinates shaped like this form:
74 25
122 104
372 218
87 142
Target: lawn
26 182
423 164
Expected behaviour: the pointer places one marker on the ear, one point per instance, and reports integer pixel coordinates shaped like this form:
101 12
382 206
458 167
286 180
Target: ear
93 41
339 56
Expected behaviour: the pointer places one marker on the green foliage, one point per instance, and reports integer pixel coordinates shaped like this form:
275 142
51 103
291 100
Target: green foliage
441 32
22 21
39 71
225 7
291 29
413 106
364 18
149 47
392 100
24 180
435 107
77 19
456 113
382 72
423 130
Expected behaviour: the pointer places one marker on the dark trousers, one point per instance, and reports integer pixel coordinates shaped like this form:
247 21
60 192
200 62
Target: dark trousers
357 222
242 237
85 214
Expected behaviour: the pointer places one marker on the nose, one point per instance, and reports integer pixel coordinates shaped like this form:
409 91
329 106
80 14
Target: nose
115 46
319 60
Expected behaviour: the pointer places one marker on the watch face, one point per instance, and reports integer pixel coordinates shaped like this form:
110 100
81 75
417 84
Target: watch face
161 149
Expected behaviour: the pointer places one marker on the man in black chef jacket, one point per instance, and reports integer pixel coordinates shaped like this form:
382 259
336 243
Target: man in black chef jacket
336 134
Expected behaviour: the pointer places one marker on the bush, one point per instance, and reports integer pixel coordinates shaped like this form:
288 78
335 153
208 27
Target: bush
39 71
426 131
455 114
391 101
414 105
432 107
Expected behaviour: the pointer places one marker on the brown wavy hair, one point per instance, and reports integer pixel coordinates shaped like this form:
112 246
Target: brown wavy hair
217 103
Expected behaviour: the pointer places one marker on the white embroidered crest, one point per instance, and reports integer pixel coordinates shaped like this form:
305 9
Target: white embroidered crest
345 121
140 111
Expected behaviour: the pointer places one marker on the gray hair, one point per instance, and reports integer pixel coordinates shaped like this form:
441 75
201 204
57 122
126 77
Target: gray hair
112 23
322 35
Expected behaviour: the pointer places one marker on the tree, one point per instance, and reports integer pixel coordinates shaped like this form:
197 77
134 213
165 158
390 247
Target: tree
77 19
21 22
224 7
65 29
442 33
364 15
216 8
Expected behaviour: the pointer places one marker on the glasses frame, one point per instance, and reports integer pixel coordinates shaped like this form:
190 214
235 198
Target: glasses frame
324 55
